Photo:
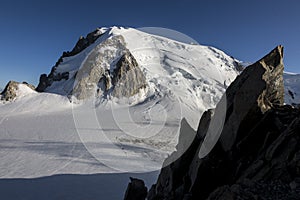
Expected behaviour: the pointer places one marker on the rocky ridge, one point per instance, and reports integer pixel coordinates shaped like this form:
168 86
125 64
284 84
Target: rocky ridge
10 91
124 79
108 69
82 43
256 155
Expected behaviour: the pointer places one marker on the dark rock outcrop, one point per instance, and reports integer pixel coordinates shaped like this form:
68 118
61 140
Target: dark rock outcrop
46 81
254 155
10 91
83 43
136 190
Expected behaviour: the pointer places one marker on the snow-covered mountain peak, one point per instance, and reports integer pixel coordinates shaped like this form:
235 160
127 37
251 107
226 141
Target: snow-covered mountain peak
162 69
133 90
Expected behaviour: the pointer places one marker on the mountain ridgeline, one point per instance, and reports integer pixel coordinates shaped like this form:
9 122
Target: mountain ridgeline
111 64
106 60
92 71
109 61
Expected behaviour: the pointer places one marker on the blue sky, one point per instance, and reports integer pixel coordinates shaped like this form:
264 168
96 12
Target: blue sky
34 33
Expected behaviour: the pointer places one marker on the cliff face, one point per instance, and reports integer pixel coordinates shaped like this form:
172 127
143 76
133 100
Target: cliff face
124 80
248 147
127 77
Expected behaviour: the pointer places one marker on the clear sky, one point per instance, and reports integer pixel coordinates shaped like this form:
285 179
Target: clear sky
34 33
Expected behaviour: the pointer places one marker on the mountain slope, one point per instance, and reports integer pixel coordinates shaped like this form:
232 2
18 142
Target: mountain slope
114 103
255 154
193 76
292 88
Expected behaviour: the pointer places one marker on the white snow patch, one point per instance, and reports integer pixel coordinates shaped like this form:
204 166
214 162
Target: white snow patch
292 88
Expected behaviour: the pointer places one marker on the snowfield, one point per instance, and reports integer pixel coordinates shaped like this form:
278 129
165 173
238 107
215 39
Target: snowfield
53 147
39 139
55 134
194 76
292 88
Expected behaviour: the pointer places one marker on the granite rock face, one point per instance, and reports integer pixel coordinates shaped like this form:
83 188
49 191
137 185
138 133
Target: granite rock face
256 155
123 80
127 77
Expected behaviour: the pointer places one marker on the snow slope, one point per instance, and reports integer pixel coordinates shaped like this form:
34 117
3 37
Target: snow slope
183 81
193 76
53 148
38 138
44 134
292 88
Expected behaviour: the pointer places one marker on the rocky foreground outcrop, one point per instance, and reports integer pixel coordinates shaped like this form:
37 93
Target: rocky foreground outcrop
254 155
136 190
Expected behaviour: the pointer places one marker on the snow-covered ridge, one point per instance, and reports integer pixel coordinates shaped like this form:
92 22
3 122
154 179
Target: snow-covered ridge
39 132
182 80
195 75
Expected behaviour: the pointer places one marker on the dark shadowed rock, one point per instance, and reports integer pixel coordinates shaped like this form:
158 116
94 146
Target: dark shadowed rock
43 83
136 190
256 90
257 155
83 43
173 174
